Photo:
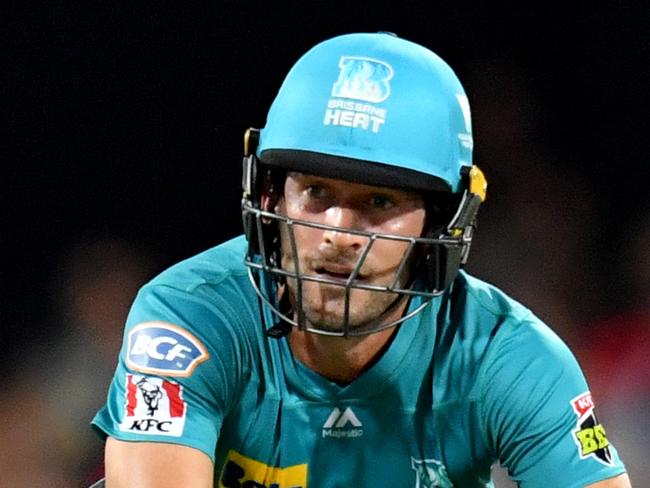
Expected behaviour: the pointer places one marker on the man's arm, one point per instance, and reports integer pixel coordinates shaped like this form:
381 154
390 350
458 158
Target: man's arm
160 465
621 481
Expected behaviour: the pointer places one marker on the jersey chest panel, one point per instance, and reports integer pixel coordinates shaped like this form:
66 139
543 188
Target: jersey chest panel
274 441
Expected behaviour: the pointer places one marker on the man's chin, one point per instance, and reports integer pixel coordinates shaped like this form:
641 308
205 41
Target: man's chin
334 321
327 323
326 311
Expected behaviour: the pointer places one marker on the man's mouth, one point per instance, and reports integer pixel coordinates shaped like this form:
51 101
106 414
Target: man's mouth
336 272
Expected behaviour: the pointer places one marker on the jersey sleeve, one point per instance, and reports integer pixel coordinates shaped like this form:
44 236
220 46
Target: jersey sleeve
179 370
538 414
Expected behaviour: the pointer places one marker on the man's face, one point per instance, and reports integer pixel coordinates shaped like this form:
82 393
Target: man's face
334 254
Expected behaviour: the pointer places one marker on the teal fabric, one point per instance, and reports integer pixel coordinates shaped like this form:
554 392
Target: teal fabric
474 379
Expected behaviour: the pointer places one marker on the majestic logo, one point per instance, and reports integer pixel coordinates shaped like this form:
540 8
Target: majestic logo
363 80
240 471
165 349
344 424
153 406
589 435
430 473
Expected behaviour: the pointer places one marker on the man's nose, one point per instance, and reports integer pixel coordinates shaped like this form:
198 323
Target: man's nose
343 218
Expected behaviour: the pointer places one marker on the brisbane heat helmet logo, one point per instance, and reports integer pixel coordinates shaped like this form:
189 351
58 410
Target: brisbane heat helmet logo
589 435
363 79
362 84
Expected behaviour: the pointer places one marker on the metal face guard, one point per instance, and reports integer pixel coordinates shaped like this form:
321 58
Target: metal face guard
266 273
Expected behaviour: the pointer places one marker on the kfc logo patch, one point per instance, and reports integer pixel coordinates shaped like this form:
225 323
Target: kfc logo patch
153 406
589 435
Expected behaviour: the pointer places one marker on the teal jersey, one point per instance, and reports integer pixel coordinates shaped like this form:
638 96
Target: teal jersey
472 380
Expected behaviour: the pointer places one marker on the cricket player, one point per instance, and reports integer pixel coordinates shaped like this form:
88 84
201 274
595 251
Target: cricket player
338 342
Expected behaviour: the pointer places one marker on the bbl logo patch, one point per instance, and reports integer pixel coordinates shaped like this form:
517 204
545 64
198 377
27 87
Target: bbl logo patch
165 349
241 471
153 406
430 473
589 435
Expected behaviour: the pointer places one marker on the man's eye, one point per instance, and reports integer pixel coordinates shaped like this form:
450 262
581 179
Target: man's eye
316 191
381 201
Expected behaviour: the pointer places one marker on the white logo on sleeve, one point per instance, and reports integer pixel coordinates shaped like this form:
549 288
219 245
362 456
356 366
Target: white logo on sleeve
466 137
153 406
345 424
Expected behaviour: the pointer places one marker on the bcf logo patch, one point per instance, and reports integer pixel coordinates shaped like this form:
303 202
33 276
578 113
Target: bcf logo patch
153 406
165 349
589 435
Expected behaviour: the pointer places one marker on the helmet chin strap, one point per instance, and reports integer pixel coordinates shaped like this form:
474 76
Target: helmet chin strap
281 327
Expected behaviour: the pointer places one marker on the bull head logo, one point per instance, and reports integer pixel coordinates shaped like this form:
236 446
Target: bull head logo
430 473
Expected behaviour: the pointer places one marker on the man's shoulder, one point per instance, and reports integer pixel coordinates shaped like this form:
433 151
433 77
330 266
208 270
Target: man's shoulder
485 301
489 309
208 296
492 338
210 267
212 286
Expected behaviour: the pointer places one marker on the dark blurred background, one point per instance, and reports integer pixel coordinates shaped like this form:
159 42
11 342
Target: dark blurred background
123 138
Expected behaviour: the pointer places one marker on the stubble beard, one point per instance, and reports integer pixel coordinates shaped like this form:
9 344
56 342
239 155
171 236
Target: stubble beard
323 305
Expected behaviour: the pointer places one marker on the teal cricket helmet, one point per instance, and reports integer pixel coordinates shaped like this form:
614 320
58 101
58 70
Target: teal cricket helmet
371 98
372 109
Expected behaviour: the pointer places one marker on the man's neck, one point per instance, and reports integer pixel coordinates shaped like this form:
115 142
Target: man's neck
339 359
